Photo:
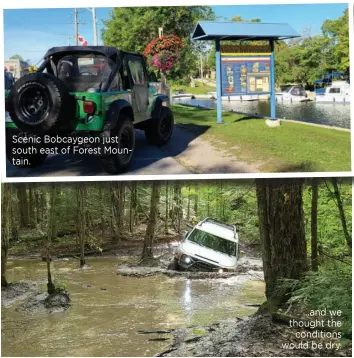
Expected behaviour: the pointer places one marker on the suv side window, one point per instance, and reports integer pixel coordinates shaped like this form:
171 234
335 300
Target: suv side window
117 84
137 71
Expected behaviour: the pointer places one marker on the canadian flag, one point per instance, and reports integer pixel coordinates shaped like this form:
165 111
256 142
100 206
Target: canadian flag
82 41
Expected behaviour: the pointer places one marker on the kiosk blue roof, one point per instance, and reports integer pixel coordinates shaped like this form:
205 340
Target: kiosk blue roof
220 30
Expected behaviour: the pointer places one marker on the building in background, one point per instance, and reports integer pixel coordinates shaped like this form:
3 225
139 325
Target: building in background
17 67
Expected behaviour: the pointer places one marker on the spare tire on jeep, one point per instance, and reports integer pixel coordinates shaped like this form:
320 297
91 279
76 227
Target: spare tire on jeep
39 103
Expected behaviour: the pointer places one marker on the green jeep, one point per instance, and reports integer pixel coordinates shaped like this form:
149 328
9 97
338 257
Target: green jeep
85 100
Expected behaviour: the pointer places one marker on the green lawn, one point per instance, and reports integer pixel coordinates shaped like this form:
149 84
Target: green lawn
292 147
199 89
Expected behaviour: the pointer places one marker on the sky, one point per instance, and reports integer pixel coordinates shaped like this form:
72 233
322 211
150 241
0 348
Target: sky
30 32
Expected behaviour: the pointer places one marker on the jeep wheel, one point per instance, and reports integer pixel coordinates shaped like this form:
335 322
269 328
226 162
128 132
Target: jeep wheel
122 153
39 102
159 130
22 160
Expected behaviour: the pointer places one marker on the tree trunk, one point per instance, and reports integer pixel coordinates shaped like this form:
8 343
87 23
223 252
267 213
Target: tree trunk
5 229
282 235
348 237
208 201
314 236
147 254
81 219
179 209
23 205
166 210
133 205
189 203
102 206
196 199
52 225
117 209
32 205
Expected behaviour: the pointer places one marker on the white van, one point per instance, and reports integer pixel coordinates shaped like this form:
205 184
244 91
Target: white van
210 246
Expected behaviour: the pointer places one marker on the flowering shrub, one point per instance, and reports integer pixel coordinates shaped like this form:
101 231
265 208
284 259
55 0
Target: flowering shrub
162 53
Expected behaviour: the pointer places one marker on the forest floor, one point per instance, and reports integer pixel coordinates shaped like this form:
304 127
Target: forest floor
32 299
254 336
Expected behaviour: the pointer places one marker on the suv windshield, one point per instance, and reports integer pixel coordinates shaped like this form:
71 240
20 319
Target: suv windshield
210 241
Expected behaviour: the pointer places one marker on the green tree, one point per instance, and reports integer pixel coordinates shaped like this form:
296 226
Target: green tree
337 32
132 28
16 57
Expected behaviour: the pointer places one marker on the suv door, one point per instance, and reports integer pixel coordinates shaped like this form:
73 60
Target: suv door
138 83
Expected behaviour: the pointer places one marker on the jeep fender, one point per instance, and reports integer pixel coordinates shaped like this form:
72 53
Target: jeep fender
113 114
158 105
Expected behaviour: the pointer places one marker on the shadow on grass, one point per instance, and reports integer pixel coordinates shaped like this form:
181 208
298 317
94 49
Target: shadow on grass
245 118
196 129
301 167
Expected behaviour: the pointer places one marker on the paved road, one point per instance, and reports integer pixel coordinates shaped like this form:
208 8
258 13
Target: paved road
147 160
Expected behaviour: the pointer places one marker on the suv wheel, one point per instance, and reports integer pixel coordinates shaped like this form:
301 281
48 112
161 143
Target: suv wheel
159 130
122 153
173 265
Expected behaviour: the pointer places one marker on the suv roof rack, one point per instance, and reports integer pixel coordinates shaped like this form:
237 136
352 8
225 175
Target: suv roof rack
228 226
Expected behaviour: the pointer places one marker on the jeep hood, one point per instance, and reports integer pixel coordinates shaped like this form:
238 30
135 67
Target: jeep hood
208 255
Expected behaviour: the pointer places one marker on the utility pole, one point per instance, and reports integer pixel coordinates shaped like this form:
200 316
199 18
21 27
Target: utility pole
76 24
94 23
201 67
95 40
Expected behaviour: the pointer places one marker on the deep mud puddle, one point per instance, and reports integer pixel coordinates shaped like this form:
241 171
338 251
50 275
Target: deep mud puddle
108 310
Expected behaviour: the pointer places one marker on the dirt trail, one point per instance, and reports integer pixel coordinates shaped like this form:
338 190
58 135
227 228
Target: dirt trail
199 156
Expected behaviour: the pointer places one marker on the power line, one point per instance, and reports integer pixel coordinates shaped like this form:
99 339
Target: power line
42 30
76 24
11 49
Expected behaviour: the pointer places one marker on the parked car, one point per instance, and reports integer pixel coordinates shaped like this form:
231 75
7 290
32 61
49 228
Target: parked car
210 246
97 92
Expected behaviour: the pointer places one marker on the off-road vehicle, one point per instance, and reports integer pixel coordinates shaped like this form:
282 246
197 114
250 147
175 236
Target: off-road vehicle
99 93
210 246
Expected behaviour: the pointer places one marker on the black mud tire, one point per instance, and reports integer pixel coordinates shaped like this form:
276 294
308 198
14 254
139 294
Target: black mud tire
40 103
159 130
118 163
173 265
34 160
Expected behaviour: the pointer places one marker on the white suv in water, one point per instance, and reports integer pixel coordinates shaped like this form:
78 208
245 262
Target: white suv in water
210 246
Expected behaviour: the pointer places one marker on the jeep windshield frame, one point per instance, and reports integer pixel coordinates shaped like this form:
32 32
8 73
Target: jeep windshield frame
213 242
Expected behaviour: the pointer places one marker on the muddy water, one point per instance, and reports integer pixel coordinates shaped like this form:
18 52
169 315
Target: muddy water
108 310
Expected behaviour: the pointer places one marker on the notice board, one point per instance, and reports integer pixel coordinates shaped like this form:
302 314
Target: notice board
245 70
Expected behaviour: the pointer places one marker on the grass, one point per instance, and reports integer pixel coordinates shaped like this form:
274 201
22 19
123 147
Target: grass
292 147
199 89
